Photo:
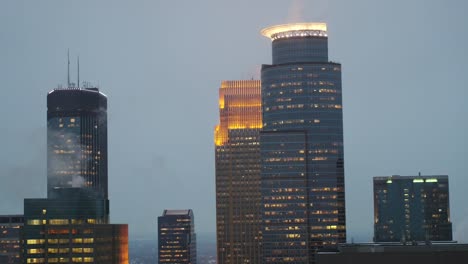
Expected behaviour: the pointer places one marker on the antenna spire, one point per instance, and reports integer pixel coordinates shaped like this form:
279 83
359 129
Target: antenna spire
68 69
78 61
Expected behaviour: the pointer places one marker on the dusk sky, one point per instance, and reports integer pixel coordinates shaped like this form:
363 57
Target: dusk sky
405 82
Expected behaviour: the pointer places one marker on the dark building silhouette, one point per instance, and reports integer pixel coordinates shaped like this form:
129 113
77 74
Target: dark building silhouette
238 197
10 246
408 208
176 237
388 253
302 173
77 140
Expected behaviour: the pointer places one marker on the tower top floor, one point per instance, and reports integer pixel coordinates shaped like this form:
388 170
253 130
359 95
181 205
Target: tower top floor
295 30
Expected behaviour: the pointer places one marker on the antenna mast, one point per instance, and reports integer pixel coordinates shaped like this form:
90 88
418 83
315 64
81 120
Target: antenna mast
78 71
68 69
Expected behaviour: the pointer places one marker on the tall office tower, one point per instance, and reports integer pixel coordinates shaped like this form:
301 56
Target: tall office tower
10 226
238 197
177 241
77 141
412 208
72 224
302 174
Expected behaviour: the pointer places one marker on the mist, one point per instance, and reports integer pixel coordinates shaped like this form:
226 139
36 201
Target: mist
161 63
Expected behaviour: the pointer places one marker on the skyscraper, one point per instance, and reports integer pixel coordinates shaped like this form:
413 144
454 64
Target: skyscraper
177 241
238 197
77 140
72 224
302 173
408 208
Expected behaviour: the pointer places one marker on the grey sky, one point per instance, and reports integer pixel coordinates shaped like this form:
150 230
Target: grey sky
161 63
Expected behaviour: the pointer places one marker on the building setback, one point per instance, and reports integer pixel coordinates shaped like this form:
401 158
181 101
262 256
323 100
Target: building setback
408 208
302 163
177 241
449 253
237 147
10 250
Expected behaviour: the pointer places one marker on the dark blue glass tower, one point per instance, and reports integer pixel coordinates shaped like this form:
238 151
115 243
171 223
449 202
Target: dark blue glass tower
177 241
302 178
77 141
412 208
72 224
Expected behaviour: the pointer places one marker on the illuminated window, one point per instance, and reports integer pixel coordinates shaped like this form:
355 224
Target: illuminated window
88 250
58 221
35 251
35 241
88 240
52 250
34 222
35 260
77 250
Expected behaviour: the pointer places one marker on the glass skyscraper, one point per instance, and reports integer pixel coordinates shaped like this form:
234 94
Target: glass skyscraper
72 224
301 144
177 241
237 149
77 140
412 208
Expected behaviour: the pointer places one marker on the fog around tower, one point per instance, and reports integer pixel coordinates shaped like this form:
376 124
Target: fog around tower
161 63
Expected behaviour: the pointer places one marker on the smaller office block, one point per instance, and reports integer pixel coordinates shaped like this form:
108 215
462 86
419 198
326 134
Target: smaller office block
177 240
10 226
411 208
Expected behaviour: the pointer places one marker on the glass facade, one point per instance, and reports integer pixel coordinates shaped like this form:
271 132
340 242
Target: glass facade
72 224
177 241
302 162
237 155
411 208
73 229
77 140
10 226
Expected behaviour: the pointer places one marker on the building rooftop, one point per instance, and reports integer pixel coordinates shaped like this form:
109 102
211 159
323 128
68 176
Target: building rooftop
399 247
295 30
418 178
11 219
178 212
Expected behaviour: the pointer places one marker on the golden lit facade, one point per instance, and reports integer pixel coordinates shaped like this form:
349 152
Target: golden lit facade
302 161
238 172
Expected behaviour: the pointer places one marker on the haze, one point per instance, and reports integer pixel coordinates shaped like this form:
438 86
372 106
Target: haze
161 63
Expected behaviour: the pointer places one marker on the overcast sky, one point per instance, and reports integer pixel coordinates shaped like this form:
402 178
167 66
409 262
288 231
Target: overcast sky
161 63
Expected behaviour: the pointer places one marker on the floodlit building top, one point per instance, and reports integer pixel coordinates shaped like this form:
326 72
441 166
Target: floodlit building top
295 30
